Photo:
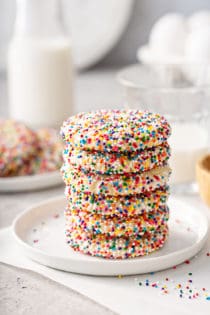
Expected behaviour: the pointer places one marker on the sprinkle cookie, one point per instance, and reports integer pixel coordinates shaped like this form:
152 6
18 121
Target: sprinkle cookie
116 226
116 248
18 144
118 163
117 205
116 185
115 130
49 156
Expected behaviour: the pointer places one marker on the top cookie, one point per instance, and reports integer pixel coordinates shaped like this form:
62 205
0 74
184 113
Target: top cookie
115 130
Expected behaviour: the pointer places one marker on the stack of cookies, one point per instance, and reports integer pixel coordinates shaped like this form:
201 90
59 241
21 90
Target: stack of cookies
116 174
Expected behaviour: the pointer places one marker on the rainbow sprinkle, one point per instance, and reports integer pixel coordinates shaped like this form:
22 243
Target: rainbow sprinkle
115 130
184 290
27 152
123 206
115 162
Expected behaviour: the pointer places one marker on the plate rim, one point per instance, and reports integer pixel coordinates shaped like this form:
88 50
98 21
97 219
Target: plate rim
30 179
100 53
123 263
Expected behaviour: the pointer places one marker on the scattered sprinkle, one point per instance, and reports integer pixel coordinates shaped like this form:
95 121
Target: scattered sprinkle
183 290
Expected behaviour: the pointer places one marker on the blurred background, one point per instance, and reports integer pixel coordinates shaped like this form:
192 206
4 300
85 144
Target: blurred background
144 14
43 44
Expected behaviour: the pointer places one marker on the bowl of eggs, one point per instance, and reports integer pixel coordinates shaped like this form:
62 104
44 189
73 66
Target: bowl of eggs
175 38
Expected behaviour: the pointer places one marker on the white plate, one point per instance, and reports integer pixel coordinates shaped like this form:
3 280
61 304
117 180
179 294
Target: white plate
95 27
30 182
39 232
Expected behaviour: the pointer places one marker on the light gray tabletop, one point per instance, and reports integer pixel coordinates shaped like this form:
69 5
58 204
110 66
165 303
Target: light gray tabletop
25 292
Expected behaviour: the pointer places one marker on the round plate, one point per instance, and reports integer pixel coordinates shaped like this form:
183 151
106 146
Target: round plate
94 27
39 232
30 182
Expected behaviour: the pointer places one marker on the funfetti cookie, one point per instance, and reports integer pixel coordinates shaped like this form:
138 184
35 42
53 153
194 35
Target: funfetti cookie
49 154
117 163
115 130
129 205
18 144
116 248
116 185
116 226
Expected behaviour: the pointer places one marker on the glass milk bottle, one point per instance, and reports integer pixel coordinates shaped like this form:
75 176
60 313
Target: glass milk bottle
40 74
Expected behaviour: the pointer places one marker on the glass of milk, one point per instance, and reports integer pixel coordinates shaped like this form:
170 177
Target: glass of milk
40 74
184 101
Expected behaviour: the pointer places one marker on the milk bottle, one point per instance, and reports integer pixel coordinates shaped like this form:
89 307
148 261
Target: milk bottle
40 72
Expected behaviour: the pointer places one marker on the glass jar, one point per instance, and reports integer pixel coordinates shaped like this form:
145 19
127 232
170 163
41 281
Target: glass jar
40 71
181 93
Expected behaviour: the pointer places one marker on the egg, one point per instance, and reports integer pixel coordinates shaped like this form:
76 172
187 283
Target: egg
200 19
197 56
197 48
168 35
